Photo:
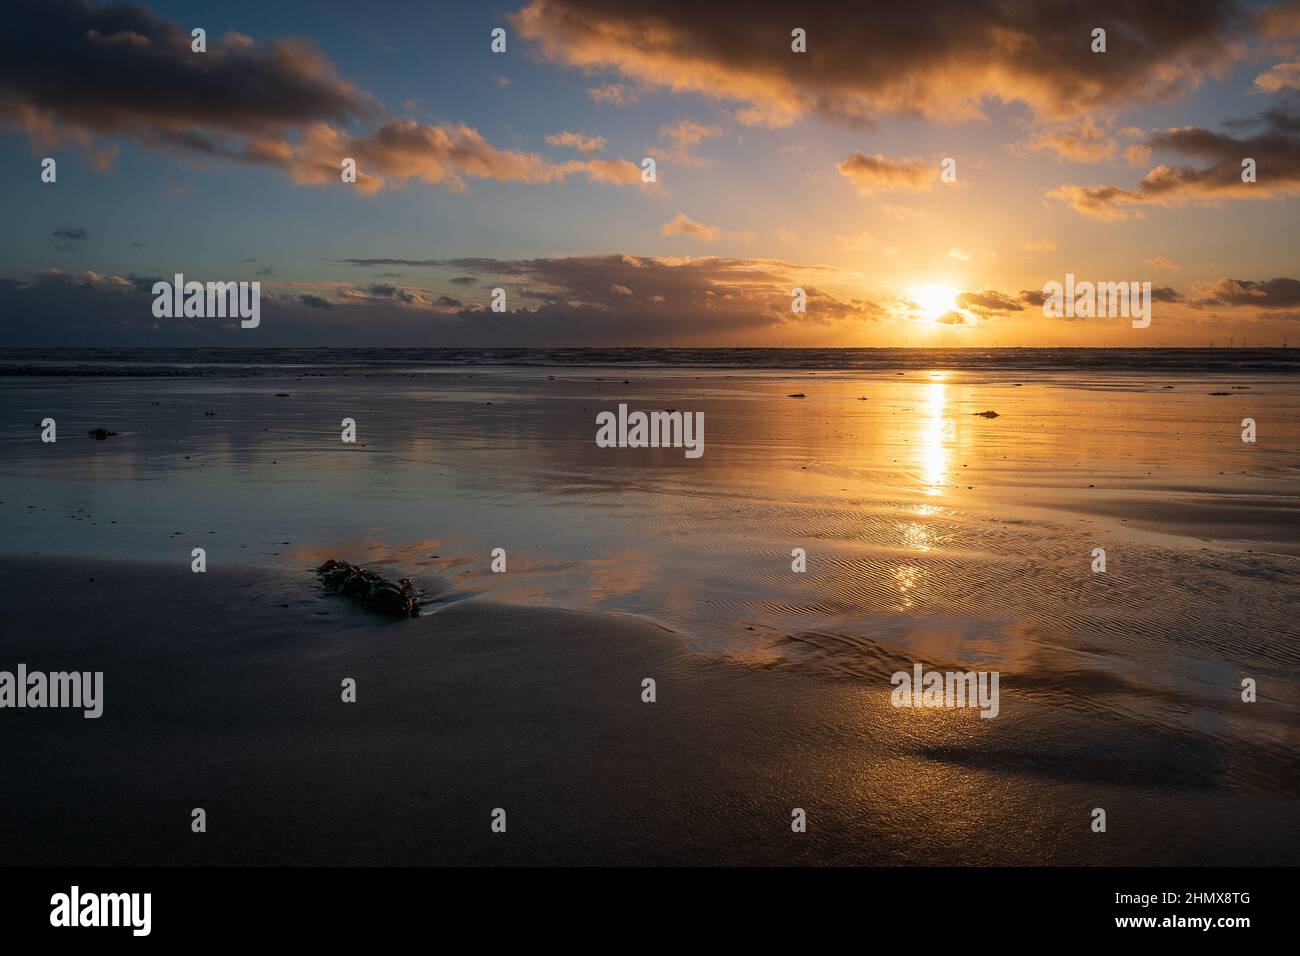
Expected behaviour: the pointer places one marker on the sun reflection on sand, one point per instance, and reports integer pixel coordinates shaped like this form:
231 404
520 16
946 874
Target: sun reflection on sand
935 434
915 537
906 577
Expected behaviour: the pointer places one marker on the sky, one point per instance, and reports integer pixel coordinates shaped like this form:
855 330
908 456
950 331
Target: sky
775 170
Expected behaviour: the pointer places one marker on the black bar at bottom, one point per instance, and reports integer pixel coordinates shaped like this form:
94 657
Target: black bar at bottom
332 906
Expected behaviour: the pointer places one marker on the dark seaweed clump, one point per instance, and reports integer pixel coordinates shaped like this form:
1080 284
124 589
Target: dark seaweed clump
373 590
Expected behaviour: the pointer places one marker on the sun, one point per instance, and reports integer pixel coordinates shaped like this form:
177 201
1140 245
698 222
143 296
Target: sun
934 300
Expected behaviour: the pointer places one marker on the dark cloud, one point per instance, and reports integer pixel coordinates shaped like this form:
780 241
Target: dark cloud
1282 293
943 59
69 71
73 73
988 302
753 291
144 283
583 300
382 290
68 237
410 263
1271 139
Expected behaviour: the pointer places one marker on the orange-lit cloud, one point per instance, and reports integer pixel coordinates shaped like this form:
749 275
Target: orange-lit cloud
1283 76
444 155
615 94
683 225
862 242
684 135
1081 141
873 174
583 144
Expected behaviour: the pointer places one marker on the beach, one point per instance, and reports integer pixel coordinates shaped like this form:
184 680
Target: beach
932 534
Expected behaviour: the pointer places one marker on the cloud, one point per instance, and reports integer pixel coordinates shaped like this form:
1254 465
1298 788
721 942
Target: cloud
1096 202
959 254
615 94
583 144
1281 293
1160 262
1138 154
683 225
1081 141
414 263
75 74
72 72
684 135
872 174
988 302
735 291
441 155
381 290
1283 76
69 233
864 61
903 213
591 300
862 242
1036 297
1275 147
68 237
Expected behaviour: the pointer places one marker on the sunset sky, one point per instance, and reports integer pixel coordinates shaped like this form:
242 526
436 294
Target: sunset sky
774 170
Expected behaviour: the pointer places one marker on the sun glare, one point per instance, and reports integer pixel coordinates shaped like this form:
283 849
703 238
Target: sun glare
934 300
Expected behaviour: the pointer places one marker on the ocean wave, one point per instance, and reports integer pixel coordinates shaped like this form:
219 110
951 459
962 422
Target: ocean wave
240 362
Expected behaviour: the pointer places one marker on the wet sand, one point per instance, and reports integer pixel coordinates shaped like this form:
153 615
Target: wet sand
218 697
933 535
